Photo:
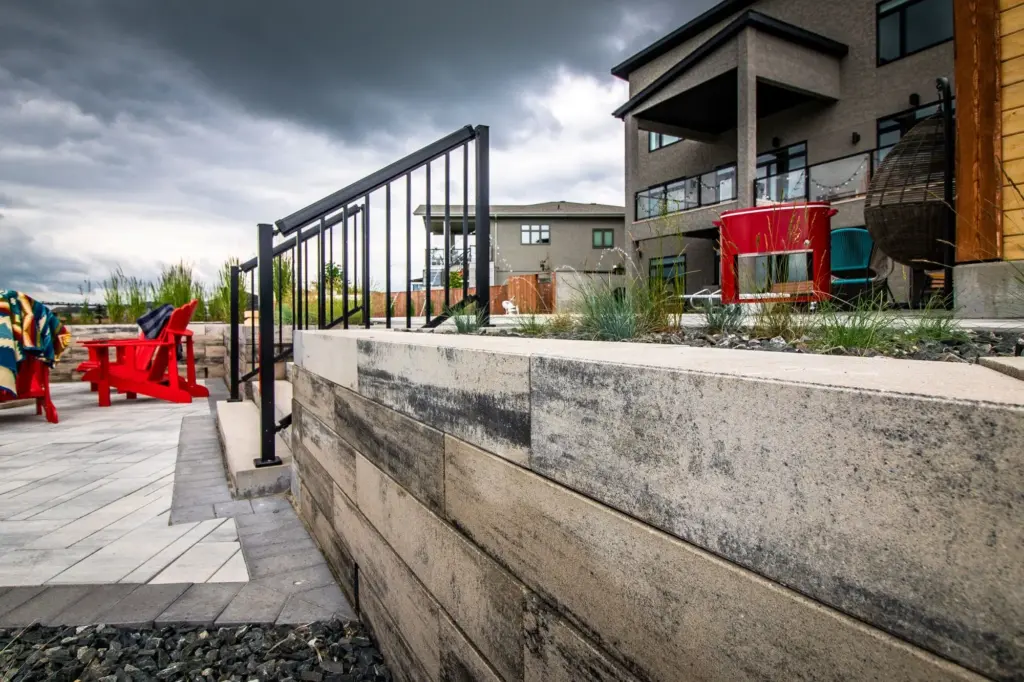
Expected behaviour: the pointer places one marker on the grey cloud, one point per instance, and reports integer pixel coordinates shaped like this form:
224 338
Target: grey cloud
352 68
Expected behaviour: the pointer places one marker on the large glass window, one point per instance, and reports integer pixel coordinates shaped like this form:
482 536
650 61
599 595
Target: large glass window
535 234
892 128
780 173
671 270
908 26
659 140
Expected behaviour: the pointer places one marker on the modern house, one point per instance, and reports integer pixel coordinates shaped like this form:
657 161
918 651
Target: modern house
530 239
771 100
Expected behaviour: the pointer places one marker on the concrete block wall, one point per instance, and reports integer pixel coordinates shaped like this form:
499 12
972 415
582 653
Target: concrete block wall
209 340
518 509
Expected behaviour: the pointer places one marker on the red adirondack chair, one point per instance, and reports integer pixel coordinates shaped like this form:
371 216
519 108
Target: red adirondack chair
147 366
33 382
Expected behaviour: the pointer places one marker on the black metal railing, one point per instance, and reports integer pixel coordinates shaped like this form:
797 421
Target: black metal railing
845 177
304 263
683 194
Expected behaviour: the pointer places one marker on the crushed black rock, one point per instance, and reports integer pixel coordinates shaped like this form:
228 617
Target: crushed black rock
322 652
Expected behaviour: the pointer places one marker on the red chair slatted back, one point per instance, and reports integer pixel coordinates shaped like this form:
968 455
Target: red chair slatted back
159 355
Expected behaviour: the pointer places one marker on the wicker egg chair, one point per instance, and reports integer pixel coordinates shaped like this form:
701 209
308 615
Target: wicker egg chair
904 210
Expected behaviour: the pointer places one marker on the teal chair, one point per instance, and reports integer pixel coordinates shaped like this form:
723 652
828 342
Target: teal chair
852 248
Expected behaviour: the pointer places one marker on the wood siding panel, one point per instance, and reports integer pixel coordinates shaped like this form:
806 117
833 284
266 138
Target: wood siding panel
1013 223
1013 121
1012 45
1013 71
1009 4
1011 21
1013 147
979 146
1013 96
1013 248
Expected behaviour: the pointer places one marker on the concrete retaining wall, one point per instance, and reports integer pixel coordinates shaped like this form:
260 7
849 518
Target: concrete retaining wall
209 340
513 509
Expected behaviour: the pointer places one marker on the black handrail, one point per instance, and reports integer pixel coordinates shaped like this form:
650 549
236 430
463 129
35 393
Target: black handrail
374 181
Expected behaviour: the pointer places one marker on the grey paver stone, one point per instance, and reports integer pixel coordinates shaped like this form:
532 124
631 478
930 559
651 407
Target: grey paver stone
200 604
143 605
264 505
199 512
287 545
329 597
234 508
45 605
283 563
100 598
17 596
253 604
300 580
299 612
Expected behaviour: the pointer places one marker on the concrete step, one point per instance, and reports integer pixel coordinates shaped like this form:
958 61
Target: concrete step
238 425
282 399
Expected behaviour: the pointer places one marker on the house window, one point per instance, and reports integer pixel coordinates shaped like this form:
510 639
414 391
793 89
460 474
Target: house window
659 140
892 128
671 270
908 26
535 234
603 239
781 174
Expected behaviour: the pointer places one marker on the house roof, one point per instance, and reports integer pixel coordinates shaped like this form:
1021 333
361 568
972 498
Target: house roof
690 29
750 18
546 209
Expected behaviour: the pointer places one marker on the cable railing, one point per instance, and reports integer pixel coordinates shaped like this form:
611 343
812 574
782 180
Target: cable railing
322 253
845 177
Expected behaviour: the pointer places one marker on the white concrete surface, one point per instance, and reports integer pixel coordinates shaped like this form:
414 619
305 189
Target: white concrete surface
88 500
239 426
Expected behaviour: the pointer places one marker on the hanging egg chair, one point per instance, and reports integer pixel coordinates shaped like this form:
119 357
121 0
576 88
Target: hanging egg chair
904 209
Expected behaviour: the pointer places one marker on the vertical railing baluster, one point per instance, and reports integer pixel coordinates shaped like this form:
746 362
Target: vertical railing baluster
280 302
295 288
367 299
447 275
465 221
297 270
334 271
252 320
233 320
408 250
344 267
355 256
321 297
387 256
483 223
426 271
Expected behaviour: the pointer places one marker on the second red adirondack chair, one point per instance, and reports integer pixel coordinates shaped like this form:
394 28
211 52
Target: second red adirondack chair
147 366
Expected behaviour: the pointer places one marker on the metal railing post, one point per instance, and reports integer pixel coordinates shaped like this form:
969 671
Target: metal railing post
483 224
949 250
266 347
235 346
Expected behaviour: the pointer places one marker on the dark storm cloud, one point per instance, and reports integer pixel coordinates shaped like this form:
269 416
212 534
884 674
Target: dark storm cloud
354 68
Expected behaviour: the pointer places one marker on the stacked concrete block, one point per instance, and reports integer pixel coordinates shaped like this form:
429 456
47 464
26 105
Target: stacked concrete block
514 509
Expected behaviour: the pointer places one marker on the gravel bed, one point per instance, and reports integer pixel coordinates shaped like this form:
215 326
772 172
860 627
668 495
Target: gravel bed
321 652
967 349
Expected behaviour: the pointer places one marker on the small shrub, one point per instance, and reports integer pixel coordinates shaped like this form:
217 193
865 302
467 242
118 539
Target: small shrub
871 324
936 323
562 323
620 313
178 285
529 325
467 320
136 299
720 319
114 297
780 318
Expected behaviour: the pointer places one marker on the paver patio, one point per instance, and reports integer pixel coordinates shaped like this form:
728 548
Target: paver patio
122 515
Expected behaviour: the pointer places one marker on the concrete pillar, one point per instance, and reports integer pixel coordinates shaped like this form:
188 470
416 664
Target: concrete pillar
746 119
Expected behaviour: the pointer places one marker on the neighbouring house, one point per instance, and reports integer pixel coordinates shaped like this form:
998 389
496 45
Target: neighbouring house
771 100
530 239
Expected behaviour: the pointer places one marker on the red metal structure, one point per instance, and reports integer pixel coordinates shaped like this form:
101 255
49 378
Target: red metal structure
147 367
776 253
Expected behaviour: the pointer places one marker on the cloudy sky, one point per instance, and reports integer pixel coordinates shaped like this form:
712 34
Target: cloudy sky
142 132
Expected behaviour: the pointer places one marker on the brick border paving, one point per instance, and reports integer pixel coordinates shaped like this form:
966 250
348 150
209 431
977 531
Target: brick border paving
290 582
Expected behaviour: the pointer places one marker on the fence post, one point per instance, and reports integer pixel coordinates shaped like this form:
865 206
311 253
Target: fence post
266 347
235 349
483 224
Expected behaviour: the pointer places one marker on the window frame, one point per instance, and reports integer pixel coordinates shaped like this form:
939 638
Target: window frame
526 233
896 117
603 231
901 10
651 148
676 260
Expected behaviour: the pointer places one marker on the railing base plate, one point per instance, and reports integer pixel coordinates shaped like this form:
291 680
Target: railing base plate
270 463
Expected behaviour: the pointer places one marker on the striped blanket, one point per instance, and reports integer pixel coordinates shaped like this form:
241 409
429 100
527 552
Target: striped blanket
27 327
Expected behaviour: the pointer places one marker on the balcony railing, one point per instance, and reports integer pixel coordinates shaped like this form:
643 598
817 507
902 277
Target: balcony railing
457 257
706 189
843 178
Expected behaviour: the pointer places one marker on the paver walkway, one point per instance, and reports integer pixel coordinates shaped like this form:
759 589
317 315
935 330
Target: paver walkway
122 515
88 500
